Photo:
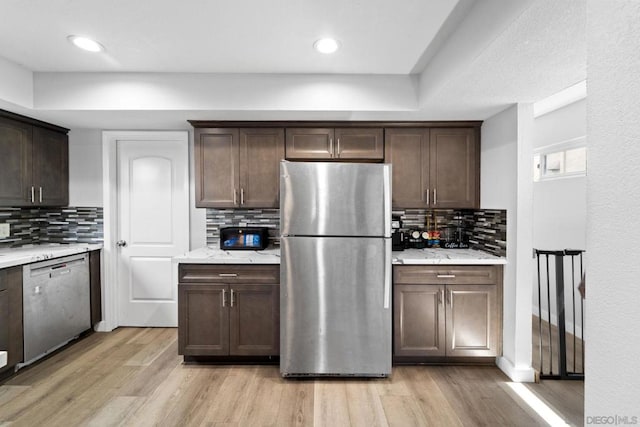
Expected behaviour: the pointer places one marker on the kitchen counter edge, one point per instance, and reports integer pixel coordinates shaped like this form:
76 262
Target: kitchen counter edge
11 257
407 257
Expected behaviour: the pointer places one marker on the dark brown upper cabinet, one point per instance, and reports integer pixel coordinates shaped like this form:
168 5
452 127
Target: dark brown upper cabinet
341 144
34 166
238 168
434 167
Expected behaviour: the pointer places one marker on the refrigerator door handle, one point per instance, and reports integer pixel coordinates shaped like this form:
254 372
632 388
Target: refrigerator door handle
387 274
387 201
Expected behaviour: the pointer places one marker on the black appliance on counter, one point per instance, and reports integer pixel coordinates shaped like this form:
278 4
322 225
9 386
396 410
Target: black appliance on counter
417 239
244 238
397 236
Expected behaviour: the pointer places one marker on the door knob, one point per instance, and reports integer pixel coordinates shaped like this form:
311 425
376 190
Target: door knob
121 243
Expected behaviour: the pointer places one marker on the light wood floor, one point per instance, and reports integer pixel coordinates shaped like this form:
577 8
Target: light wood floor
134 377
550 354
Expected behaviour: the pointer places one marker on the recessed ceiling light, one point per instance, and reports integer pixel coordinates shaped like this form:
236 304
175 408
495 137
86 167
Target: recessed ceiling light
86 43
326 45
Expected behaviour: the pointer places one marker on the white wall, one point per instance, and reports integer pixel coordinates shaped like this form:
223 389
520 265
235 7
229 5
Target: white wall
85 167
16 84
612 387
560 209
506 184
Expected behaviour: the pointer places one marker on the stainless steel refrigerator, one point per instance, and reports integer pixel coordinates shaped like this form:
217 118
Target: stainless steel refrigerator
335 290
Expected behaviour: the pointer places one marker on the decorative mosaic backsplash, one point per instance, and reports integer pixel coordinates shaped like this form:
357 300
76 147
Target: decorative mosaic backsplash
485 230
220 218
52 225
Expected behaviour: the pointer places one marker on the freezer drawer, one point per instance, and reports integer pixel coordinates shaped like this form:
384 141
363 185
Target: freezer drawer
335 199
335 306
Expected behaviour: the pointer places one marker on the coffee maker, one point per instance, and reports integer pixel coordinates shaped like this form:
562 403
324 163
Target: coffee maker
397 236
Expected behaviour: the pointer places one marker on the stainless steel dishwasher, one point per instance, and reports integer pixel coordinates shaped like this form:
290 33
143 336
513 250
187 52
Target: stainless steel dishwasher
56 304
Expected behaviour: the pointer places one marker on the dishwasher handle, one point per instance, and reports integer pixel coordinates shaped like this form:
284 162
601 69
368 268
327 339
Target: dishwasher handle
56 269
59 272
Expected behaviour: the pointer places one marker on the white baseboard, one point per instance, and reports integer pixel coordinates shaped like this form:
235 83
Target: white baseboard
517 374
102 327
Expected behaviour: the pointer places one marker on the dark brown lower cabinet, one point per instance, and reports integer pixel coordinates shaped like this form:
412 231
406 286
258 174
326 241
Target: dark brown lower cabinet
95 284
447 312
11 315
220 314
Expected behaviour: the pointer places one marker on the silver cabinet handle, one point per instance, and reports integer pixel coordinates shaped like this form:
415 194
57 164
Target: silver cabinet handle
231 298
40 194
227 274
224 298
235 196
338 149
427 196
121 243
242 196
435 197
446 276
33 194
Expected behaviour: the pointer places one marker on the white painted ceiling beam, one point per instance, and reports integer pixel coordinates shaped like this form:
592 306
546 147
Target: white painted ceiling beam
230 92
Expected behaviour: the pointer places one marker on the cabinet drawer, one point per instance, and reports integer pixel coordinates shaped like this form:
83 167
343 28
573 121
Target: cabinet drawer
445 274
208 273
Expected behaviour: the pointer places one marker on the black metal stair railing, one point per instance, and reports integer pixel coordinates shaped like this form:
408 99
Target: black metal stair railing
577 273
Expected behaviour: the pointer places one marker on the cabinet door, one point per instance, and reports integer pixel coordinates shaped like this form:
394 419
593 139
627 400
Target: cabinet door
95 284
15 163
255 320
50 167
217 168
408 151
309 143
419 320
203 319
261 151
454 168
359 144
11 331
472 320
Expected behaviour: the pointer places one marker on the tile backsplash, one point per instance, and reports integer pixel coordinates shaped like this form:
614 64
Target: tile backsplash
52 225
220 218
485 229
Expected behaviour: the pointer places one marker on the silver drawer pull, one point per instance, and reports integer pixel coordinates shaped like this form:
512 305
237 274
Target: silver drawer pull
446 276
228 275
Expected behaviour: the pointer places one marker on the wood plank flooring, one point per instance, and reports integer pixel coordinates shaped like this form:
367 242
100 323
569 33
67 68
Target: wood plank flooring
134 377
549 353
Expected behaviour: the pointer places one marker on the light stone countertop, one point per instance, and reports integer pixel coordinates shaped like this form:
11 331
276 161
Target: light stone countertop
210 255
407 257
10 257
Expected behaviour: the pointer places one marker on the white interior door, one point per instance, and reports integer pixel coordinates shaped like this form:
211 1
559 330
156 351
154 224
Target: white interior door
153 226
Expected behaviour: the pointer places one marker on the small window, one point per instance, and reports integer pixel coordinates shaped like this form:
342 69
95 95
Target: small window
561 160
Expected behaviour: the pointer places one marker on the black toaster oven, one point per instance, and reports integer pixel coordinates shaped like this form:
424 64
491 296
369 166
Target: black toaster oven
244 238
